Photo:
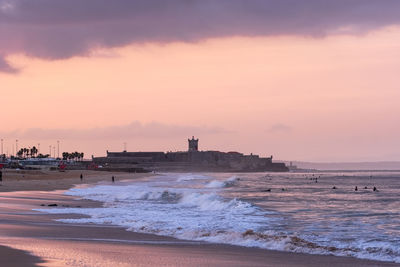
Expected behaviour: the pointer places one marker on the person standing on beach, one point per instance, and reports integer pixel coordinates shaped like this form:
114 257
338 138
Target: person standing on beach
81 177
1 176
112 178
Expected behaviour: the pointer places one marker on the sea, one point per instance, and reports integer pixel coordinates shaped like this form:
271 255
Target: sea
316 213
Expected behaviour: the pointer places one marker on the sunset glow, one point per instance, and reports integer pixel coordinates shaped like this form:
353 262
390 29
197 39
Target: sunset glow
320 98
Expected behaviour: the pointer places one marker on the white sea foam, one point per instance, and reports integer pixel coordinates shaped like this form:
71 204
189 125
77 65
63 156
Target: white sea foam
194 212
220 184
191 176
180 212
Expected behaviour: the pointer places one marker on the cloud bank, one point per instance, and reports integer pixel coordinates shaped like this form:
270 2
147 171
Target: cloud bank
132 130
57 29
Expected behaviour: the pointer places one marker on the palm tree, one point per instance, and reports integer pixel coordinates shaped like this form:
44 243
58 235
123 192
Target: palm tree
34 151
20 153
25 152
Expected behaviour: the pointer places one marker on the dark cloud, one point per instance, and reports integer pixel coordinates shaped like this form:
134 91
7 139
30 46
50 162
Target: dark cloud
57 29
132 130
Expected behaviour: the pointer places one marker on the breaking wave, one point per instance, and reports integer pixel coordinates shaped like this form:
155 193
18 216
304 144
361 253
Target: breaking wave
191 176
220 184
200 214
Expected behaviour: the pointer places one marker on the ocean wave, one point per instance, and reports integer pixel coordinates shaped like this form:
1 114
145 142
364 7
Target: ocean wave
221 184
200 214
221 231
191 176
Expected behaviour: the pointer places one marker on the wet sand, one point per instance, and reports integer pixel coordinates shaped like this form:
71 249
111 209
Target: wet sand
60 244
16 258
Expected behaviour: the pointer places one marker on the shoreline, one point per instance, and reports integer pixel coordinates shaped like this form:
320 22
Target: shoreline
58 244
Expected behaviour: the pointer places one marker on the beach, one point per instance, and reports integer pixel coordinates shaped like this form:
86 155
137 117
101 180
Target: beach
52 243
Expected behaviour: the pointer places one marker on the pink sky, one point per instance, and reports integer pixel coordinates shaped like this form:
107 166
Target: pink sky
315 98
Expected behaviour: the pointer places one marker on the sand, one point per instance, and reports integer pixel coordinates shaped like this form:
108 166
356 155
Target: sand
52 243
16 258
35 180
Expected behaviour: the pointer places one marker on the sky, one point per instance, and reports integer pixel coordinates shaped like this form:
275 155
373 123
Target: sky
310 80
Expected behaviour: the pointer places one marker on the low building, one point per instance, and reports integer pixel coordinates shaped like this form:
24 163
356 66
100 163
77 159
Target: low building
191 160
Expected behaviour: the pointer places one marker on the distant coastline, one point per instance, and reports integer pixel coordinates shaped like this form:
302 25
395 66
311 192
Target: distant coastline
347 166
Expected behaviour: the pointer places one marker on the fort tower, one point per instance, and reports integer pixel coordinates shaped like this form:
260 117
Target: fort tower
193 144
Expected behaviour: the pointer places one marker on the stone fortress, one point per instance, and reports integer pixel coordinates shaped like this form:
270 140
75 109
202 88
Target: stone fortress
190 160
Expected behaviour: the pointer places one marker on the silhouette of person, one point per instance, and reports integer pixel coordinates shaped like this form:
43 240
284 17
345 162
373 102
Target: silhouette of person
1 176
81 177
375 189
113 179
356 189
